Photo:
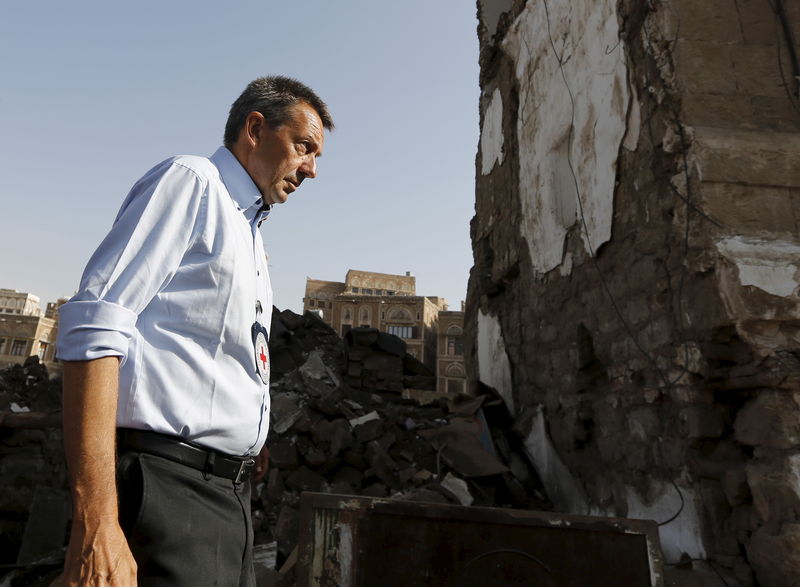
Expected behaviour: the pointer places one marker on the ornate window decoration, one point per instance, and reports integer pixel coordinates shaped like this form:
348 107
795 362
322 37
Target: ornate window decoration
399 315
454 370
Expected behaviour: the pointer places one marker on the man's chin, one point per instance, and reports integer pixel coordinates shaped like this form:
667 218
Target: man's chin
278 198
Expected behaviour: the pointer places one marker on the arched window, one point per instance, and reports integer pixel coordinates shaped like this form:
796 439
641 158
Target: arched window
454 330
364 314
399 315
454 370
455 344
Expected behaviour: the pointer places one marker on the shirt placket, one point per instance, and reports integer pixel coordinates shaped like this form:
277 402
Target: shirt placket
259 279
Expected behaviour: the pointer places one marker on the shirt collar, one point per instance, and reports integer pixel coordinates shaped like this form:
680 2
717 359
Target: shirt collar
240 186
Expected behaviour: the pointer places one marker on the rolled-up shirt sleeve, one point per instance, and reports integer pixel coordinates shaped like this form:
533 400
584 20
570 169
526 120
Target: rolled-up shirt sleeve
157 224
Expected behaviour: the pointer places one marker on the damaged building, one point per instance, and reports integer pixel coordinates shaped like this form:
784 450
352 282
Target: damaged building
634 294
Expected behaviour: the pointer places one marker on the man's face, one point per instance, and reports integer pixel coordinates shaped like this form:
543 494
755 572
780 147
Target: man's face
279 159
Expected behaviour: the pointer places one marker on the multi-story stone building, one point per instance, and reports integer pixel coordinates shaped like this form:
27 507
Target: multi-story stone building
20 303
450 372
24 331
390 304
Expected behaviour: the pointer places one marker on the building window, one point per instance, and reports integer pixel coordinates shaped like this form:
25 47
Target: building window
389 293
401 331
455 345
454 370
42 349
347 315
367 292
417 315
354 289
455 386
2 345
346 328
311 303
400 315
18 347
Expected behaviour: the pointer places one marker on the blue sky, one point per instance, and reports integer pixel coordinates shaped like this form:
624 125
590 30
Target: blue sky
93 94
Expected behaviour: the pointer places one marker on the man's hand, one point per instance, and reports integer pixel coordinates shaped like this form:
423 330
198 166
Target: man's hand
262 464
98 555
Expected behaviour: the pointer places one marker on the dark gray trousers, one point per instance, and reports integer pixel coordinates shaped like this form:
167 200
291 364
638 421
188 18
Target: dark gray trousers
184 530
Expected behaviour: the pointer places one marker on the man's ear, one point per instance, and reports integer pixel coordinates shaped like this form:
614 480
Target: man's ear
253 128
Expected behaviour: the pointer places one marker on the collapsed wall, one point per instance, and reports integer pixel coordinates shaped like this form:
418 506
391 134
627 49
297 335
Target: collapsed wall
634 295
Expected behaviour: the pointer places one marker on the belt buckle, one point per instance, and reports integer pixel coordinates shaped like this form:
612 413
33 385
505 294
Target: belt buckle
244 470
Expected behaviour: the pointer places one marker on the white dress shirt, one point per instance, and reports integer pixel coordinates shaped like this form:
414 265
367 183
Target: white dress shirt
173 291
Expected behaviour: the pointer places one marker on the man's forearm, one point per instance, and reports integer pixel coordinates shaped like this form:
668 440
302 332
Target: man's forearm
98 553
90 392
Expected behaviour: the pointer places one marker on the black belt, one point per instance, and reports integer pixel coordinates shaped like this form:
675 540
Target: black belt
208 461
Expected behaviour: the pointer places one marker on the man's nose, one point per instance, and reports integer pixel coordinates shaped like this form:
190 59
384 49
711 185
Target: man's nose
309 167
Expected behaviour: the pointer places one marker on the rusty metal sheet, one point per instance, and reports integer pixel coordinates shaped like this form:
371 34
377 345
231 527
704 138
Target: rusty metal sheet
349 541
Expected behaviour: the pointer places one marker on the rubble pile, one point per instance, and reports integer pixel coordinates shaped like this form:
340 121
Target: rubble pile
32 471
343 420
358 416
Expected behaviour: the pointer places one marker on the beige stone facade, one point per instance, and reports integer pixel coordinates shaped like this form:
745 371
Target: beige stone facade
23 336
24 331
18 303
450 372
390 304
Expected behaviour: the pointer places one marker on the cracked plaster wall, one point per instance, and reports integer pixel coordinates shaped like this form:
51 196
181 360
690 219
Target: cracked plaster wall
650 355
573 105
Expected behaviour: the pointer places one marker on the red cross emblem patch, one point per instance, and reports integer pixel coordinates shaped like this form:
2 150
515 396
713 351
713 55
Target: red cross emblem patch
262 357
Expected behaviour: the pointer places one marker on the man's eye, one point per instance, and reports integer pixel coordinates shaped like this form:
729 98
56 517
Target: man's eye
302 148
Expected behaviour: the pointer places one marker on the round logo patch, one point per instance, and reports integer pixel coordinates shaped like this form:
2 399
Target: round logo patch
262 357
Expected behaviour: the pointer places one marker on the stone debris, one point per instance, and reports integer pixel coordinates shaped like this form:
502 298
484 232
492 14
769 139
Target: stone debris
342 421
33 502
353 416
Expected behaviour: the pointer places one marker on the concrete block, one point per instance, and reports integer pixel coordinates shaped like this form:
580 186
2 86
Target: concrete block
739 156
750 210
734 484
304 479
756 70
705 67
283 454
703 421
775 488
710 20
770 420
774 552
757 21
713 109
775 113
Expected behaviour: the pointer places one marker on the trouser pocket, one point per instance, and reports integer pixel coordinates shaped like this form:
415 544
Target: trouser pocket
130 490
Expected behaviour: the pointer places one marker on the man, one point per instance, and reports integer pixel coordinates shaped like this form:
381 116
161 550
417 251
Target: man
165 355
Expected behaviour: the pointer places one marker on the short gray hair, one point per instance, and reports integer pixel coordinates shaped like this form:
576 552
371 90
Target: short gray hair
273 96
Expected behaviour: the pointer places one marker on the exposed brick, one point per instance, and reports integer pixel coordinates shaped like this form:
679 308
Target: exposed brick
710 20
705 67
758 22
756 71
746 209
